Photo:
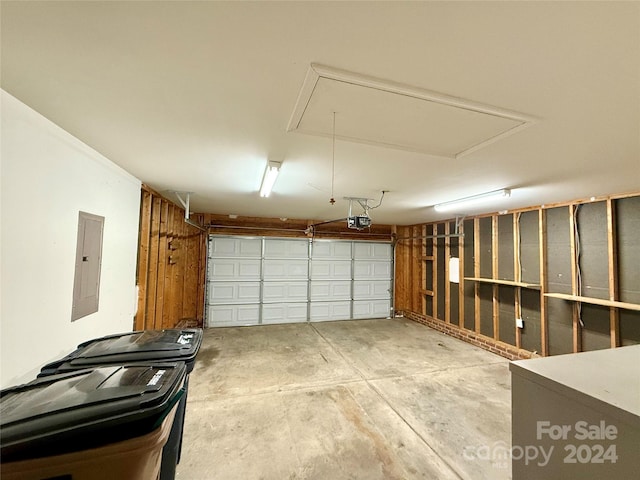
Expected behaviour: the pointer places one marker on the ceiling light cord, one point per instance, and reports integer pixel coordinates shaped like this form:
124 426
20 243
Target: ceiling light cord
332 200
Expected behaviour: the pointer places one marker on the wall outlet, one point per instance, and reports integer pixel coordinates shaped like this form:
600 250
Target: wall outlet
519 323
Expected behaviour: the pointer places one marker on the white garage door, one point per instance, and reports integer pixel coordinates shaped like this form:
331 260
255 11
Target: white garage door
254 281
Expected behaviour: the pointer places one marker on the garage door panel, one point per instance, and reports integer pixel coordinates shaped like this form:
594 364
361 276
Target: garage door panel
365 270
326 311
234 269
284 291
372 251
284 313
289 249
283 269
331 250
371 289
233 292
371 308
235 247
271 280
327 269
330 290
233 315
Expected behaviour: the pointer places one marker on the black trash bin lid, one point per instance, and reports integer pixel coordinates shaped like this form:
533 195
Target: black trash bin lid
169 345
86 408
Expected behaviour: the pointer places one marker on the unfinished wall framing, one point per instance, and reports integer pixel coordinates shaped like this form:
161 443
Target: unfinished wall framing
566 270
171 266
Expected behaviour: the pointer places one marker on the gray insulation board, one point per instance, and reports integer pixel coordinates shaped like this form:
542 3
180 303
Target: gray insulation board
530 247
505 247
592 242
558 250
595 333
486 260
486 309
560 324
629 327
469 286
530 307
506 322
628 234
441 277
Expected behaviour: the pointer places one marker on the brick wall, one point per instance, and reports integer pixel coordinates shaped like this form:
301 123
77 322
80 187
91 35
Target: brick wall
487 343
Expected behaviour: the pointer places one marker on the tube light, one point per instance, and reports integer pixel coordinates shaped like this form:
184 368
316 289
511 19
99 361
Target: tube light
472 201
269 178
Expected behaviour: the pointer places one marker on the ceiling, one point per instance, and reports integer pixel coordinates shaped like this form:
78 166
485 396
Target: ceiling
434 100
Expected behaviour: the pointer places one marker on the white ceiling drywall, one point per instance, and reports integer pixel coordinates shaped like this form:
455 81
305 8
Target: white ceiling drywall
196 96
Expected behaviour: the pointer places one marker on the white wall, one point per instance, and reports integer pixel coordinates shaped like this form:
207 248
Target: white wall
47 177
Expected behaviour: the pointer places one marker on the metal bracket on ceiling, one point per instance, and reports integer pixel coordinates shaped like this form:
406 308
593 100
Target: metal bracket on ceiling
184 202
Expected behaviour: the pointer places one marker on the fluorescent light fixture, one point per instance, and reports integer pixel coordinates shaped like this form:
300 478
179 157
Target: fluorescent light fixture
472 201
270 175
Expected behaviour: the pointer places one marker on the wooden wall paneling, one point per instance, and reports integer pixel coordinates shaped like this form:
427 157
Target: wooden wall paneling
190 284
447 283
143 259
494 275
454 288
434 270
202 277
476 273
441 266
154 262
612 254
169 272
469 268
423 270
402 271
517 276
577 331
461 260
416 263
162 266
544 323
183 260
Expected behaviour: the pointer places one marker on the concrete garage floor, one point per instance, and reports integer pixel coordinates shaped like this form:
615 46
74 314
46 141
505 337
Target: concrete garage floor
364 399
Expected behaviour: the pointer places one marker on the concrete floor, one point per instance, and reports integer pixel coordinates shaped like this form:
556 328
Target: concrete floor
364 399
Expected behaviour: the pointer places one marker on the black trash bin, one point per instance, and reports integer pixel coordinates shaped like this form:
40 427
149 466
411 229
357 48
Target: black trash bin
142 346
102 423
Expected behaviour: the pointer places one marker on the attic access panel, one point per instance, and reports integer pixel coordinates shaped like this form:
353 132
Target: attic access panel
389 114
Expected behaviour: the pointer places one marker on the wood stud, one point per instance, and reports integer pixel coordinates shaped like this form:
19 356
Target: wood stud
171 265
420 260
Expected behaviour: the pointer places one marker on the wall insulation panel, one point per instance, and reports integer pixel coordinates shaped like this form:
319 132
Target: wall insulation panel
507 315
595 333
592 244
486 309
629 327
530 306
486 268
505 247
559 313
558 250
530 247
469 286
628 235
440 265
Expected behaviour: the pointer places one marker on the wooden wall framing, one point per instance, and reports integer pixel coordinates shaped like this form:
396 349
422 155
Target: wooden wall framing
171 266
535 288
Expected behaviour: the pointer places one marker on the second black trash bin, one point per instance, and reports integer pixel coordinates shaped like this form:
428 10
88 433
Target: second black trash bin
169 345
